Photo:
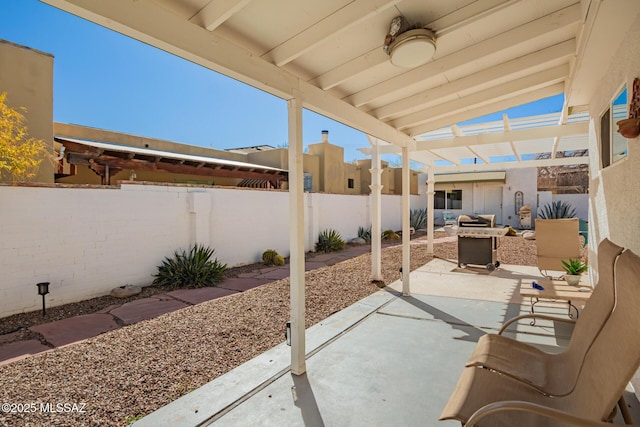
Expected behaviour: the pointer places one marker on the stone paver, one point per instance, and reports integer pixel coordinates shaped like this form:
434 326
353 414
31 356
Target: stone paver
312 265
196 296
277 274
249 275
146 308
76 328
19 350
8 337
238 284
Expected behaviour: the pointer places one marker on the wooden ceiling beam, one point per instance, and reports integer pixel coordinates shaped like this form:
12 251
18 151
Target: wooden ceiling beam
451 22
216 12
472 113
339 21
520 35
152 24
510 89
559 52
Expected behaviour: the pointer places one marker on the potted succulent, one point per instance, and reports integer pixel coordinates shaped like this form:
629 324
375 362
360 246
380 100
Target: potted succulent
574 269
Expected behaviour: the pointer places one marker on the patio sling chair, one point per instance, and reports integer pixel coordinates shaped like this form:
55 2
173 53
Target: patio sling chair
609 364
557 240
449 218
553 374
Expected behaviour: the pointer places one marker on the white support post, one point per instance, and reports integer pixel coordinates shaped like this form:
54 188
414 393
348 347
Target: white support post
431 216
296 236
376 214
406 238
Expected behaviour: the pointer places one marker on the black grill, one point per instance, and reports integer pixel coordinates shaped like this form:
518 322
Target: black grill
478 241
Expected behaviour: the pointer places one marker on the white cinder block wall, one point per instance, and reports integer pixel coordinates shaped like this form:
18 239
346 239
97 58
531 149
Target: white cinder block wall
86 241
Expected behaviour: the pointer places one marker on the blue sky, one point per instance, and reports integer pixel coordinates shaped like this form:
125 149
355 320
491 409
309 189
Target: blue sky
106 80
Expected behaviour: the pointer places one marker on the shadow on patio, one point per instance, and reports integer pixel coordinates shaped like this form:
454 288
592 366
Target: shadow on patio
386 360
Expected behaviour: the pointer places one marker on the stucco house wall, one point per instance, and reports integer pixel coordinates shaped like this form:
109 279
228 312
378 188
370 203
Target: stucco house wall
332 174
615 191
27 76
279 158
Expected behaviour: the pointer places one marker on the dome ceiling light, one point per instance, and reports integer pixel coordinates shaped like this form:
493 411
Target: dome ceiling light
409 47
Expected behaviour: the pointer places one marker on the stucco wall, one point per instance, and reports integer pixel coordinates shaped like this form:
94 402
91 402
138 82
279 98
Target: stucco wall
332 176
525 180
86 241
27 77
352 172
615 191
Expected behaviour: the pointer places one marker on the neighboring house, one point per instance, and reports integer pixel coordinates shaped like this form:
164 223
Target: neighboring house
103 157
27 76
500 193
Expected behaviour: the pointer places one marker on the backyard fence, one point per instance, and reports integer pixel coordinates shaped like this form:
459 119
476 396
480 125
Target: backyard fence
87 241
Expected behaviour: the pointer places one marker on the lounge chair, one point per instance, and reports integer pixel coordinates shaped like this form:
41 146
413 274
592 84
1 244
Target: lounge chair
449 218
553 374
557 240
609 364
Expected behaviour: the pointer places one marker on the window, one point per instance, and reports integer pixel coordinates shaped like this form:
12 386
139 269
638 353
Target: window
454 199
619 109
308 182
613 146
439 202
450 199
350 183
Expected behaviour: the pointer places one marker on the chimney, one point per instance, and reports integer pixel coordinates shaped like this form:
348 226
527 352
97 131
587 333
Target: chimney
325 136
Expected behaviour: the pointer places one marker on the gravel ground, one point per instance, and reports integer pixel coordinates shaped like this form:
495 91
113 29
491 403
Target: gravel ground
132 371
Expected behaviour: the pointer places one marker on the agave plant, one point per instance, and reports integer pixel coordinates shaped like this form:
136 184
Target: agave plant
329 240
418 218
558 209
574 266
365 233
193 269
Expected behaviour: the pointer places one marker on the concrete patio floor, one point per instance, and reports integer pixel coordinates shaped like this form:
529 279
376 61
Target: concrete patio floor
386 360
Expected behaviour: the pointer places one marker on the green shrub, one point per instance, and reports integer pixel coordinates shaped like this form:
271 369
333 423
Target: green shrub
418 218
193 269
278 260
555 210
364 233
390 235
329 240
268 256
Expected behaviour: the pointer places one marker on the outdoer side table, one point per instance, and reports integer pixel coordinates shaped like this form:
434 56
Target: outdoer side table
555 290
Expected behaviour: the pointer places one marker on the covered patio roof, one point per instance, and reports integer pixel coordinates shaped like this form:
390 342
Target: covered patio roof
107 158
330 57
490 55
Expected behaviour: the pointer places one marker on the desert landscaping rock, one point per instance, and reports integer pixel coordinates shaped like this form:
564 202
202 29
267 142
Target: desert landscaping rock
136 369
358 241
125 291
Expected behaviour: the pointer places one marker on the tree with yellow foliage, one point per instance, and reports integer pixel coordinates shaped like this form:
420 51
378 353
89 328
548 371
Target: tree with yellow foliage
20 155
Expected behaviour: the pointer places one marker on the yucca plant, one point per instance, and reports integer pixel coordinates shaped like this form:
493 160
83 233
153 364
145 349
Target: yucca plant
418 218
558 209
364 233
329 240
193 269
